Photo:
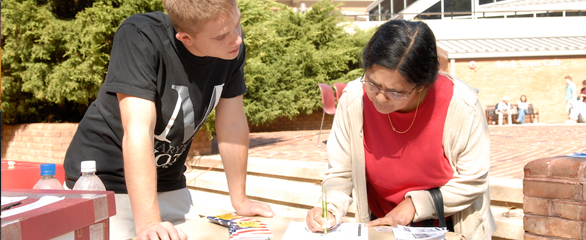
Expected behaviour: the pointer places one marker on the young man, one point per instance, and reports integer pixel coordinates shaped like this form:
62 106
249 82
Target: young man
166 74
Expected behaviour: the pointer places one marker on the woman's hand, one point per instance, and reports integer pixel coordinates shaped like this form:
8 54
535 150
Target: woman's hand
402 214
316 222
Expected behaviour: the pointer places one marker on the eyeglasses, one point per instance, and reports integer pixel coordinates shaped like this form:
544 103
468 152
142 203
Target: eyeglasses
371 87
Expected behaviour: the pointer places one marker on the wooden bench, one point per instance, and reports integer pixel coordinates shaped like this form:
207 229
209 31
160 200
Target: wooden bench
492 117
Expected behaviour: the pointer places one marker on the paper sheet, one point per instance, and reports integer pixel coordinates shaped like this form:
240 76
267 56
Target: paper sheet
43 201
423 233
383 228
9 200
298 230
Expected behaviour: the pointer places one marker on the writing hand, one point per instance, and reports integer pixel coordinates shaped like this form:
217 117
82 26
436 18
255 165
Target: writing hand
160 230
402 214
253 208
316 222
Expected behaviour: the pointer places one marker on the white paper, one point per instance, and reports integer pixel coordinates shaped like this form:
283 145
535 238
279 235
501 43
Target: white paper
298 230
43 201
422 233
9 200
383 228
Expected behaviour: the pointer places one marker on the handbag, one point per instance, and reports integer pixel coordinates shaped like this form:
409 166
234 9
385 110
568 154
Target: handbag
438 201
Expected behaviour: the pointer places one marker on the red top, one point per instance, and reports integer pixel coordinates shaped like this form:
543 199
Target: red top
400 163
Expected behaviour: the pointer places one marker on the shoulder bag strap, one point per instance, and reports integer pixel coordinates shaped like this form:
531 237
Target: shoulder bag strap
438 201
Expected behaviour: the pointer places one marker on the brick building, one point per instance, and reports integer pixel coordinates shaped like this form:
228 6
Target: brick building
511 57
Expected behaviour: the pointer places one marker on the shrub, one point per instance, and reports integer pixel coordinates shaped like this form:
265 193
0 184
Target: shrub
53 64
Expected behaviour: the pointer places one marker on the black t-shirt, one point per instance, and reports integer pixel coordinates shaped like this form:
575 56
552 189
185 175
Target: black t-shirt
147 61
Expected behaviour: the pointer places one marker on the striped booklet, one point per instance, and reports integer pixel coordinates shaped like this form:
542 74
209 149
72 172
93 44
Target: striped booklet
243 228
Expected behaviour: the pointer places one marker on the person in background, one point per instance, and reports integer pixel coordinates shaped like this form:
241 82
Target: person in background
522 109
583 91
503 109
577 108
166 74
571 94
402 129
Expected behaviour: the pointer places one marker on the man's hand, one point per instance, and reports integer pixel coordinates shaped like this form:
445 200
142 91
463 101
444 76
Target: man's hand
162 231
252 208
316 222
402 214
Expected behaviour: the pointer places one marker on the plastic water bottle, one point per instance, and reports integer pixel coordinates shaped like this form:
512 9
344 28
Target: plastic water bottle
89 180
48 180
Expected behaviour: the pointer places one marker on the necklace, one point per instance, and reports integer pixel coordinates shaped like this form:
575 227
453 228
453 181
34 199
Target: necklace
416 108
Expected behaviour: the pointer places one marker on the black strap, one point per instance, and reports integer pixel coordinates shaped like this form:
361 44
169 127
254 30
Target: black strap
438 201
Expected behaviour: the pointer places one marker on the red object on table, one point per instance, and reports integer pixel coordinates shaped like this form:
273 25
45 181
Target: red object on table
24 175
81 215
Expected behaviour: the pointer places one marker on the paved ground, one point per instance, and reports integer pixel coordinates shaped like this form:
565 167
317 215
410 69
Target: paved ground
511 146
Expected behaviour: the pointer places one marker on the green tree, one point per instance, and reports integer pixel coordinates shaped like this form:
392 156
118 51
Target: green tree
53 65
289 52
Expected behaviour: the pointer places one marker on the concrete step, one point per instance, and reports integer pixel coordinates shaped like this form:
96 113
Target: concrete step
290 187
214 203
282 190
506 190
278 167
509 223
507 207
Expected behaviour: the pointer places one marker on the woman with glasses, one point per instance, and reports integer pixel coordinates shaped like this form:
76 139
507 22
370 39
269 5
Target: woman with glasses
402 129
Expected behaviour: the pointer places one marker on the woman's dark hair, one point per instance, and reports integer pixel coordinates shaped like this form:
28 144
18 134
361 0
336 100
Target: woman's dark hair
406 46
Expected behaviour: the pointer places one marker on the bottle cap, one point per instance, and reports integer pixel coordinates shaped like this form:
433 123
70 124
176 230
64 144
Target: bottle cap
88 166
47 169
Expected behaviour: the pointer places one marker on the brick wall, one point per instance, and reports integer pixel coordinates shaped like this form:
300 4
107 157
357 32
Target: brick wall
555 198
301 122
540 79
38 142
47 143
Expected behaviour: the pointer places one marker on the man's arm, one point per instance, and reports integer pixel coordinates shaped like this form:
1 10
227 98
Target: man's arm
232 133
499 107
138 120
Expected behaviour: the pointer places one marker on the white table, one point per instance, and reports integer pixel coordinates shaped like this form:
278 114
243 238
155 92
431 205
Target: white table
203 229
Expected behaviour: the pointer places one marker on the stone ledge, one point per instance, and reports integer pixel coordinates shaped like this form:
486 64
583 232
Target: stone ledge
510 227
279 167
506 190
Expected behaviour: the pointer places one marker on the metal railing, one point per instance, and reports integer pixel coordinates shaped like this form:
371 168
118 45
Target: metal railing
469 15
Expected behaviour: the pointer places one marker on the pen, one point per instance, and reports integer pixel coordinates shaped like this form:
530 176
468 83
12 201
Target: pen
11 205
324 206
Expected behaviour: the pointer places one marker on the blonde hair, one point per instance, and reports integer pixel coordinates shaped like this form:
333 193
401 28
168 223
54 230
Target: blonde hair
188 15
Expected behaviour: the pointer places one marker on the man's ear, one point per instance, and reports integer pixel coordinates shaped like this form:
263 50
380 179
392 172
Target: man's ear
185 38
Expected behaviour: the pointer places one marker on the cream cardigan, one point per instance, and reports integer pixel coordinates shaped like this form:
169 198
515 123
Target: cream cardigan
466 145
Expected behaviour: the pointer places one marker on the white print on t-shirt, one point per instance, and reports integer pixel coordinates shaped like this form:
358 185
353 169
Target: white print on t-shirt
165 154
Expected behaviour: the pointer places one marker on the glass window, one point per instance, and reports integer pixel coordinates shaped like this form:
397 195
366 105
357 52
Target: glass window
434 12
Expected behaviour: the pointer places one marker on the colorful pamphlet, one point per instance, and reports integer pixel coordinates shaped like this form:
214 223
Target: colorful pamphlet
249 229
223 219
242 228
